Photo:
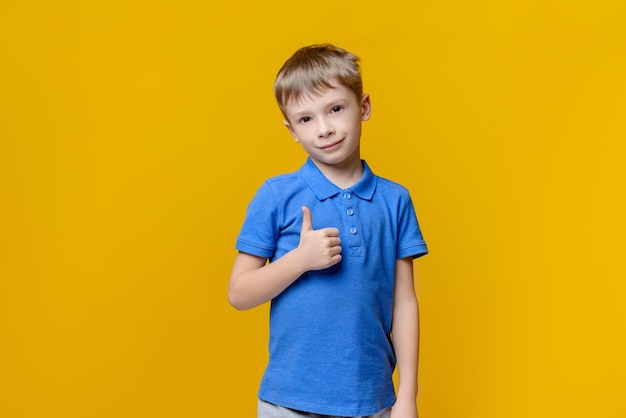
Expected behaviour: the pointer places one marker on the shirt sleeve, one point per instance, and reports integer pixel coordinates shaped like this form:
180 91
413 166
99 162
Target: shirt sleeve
259 230
410 240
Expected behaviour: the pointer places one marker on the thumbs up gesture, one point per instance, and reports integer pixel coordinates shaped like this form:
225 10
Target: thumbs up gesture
319 248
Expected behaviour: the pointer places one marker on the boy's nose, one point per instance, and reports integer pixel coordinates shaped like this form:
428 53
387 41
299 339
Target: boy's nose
324 129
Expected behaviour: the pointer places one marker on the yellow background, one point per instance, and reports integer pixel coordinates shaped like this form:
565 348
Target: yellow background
133 135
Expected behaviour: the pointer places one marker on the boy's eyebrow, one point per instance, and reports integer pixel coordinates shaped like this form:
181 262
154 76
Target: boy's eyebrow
299 112
328 104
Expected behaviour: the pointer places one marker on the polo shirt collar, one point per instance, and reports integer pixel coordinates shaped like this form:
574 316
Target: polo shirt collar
324 189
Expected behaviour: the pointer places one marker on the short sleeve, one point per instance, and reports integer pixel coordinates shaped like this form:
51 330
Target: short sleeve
260 228
410 240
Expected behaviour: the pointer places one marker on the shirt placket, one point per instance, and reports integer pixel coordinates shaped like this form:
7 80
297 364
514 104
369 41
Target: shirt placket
351 222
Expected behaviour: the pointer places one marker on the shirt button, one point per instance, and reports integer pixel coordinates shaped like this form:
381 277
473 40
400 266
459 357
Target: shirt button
347 195
350 212
353 231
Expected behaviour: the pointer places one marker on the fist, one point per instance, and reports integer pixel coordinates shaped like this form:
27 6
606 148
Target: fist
320 248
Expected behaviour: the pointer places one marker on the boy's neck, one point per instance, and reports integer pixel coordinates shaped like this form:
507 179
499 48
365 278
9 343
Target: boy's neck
342 175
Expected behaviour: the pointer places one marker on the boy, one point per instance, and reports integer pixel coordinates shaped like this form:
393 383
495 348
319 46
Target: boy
341 243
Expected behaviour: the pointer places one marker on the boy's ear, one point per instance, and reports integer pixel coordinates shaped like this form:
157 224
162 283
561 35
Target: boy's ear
290 129
366 107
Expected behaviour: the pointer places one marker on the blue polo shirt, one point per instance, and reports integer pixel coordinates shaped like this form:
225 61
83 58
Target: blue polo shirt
330 331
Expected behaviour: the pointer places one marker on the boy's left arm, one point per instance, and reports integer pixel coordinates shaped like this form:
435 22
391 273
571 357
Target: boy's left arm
405 334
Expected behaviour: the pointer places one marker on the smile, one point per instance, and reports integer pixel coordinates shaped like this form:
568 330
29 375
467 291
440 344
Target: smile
331 146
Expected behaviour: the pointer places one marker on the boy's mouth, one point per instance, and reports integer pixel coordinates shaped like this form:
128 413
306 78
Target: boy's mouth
332 145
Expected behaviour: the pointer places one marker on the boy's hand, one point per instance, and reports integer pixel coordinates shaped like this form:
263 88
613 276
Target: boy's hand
404 410
318 249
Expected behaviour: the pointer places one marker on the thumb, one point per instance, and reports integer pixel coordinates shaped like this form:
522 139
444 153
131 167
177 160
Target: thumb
307 221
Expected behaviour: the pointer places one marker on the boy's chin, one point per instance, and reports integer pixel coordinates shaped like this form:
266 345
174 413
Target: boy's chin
336 162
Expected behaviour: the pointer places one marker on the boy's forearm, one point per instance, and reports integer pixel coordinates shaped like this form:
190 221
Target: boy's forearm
254 284
406 345
405 331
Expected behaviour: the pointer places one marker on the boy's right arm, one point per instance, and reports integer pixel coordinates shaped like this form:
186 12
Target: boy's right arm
253 282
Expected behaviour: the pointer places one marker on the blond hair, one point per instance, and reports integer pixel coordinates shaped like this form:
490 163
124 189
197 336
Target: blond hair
315 67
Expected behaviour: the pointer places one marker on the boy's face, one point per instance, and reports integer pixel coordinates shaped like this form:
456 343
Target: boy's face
328 124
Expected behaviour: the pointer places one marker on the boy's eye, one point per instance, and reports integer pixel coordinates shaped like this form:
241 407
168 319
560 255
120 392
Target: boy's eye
305 119
336 109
